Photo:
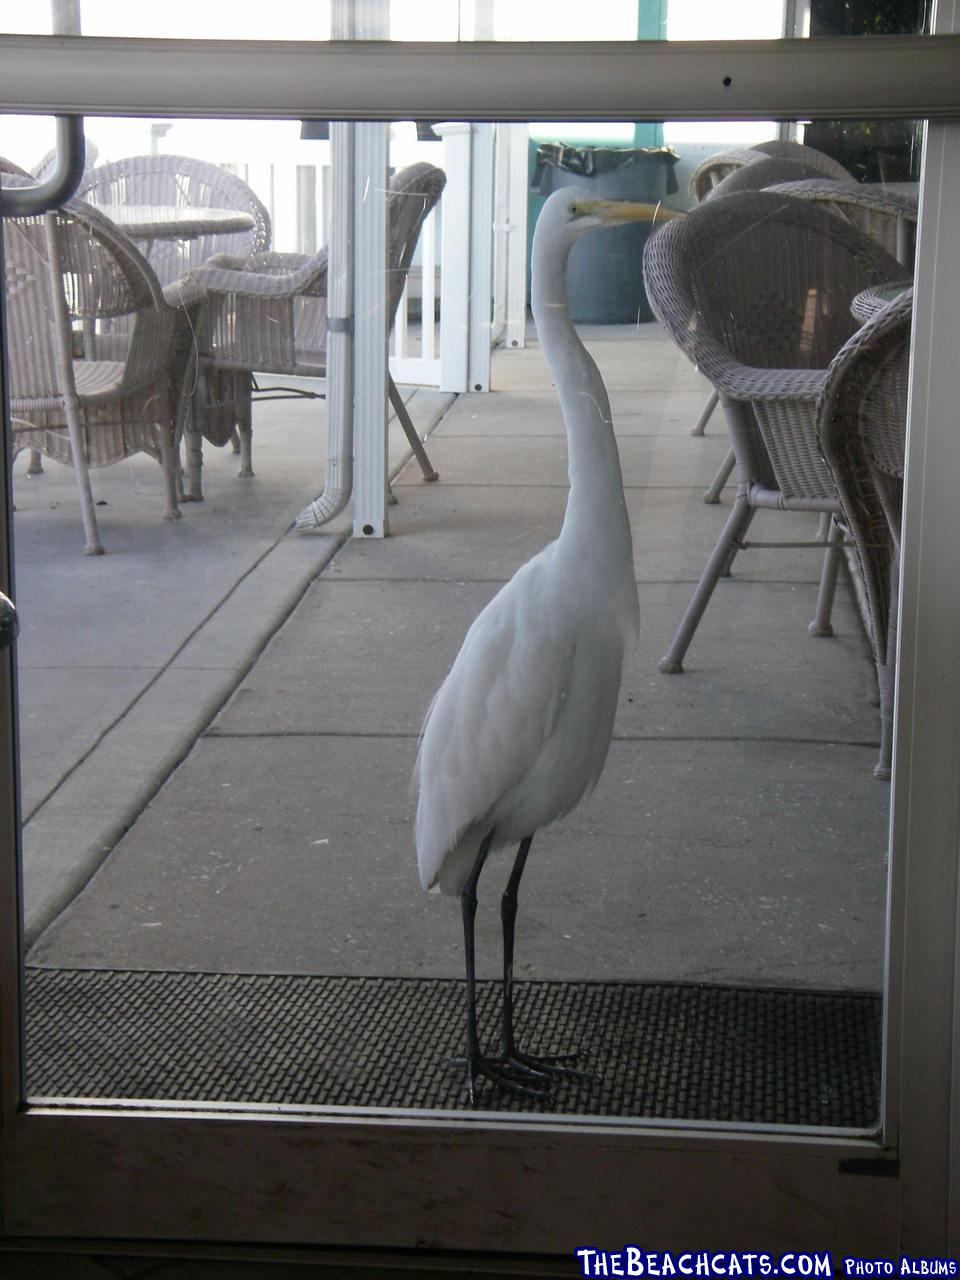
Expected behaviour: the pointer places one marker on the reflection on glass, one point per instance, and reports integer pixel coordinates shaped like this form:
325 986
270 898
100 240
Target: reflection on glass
220 715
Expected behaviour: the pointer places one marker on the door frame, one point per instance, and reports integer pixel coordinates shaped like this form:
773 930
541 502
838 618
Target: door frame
290 1175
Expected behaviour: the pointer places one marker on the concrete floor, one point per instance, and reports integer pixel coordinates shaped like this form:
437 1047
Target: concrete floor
220 716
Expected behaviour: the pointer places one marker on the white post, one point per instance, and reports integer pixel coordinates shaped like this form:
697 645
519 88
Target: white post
370 331
516 138
455 257
338 480
371 143
357 326
481 257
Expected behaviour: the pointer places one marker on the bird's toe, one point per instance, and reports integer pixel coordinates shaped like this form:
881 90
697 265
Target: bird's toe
546 1065
503 1075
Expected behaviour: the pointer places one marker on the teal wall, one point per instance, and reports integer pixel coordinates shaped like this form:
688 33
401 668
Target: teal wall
651 25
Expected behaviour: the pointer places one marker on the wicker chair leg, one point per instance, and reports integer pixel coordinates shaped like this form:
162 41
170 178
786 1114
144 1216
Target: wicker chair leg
400 409
245 432
821 624
734 530
35 467
190 411
704 418
68 388
194 447
712 495
170 461
94 547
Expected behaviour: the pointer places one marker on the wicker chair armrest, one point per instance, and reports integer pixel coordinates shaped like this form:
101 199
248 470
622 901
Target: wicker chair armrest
229 261
743 382
749 382
284 262
262 276
268 261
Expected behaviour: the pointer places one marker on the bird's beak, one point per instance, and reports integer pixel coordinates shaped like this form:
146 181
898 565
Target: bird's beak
611 212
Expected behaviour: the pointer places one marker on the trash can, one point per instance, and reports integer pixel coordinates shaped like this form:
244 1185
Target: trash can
605 272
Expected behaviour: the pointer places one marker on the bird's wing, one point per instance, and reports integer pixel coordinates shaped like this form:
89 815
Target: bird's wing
492 715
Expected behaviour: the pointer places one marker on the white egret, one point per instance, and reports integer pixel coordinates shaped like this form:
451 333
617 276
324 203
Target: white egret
518 733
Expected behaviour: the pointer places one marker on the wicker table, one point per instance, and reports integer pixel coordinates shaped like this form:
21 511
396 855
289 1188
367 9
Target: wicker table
867 303
175 222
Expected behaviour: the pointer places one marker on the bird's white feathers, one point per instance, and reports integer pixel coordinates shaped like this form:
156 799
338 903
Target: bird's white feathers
519 730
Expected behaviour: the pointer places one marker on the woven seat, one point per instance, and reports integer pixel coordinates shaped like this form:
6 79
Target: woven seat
268 314
861 427
74 264
755 289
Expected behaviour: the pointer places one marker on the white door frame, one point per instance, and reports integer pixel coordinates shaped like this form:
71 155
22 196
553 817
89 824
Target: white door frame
290 1174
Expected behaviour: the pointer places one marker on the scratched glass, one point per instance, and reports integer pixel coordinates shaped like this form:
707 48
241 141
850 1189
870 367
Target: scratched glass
219 717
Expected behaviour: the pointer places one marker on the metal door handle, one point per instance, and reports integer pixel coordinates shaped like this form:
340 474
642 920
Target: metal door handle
9 622
62 183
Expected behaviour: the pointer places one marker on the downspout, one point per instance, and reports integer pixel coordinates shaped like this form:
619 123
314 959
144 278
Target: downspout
338 487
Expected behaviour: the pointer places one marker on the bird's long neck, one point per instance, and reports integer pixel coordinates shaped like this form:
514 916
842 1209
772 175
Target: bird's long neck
595 507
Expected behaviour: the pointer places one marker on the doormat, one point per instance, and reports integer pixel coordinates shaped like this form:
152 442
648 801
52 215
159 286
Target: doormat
670 1051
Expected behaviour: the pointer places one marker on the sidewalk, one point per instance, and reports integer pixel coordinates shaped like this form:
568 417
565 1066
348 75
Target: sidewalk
737 835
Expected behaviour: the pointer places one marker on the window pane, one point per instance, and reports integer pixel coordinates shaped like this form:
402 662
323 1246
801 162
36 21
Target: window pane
220 715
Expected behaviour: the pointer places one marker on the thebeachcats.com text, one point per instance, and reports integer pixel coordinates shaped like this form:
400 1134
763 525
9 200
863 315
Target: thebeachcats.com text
632 1260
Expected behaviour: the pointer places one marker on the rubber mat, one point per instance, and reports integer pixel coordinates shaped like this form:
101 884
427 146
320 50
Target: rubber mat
670 1051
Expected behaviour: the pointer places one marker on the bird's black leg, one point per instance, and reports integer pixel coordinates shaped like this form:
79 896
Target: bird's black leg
468 910
510 1055
476 1063
508 917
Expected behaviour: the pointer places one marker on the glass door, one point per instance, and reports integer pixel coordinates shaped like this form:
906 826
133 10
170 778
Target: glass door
231 1004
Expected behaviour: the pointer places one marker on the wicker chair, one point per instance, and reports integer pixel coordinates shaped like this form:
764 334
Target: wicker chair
268 314
8 166
861 427
44 167
180 181
710 172
756 290
887 216
794 163
86 412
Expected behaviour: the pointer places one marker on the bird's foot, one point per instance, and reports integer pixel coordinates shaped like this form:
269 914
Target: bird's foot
521 1080
544 1066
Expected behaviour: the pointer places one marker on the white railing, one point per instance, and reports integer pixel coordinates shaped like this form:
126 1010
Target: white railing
297 197
467 286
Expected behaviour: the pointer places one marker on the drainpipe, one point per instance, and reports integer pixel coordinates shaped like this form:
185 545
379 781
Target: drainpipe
349 19
339 468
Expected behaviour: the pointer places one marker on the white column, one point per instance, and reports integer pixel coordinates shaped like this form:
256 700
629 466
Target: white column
455 257
338 479
370 331
481 257
517 139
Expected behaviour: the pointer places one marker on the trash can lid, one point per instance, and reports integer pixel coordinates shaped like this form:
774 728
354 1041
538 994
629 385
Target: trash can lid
593 160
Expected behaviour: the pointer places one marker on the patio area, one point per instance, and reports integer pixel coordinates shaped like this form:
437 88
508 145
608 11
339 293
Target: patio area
220 716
